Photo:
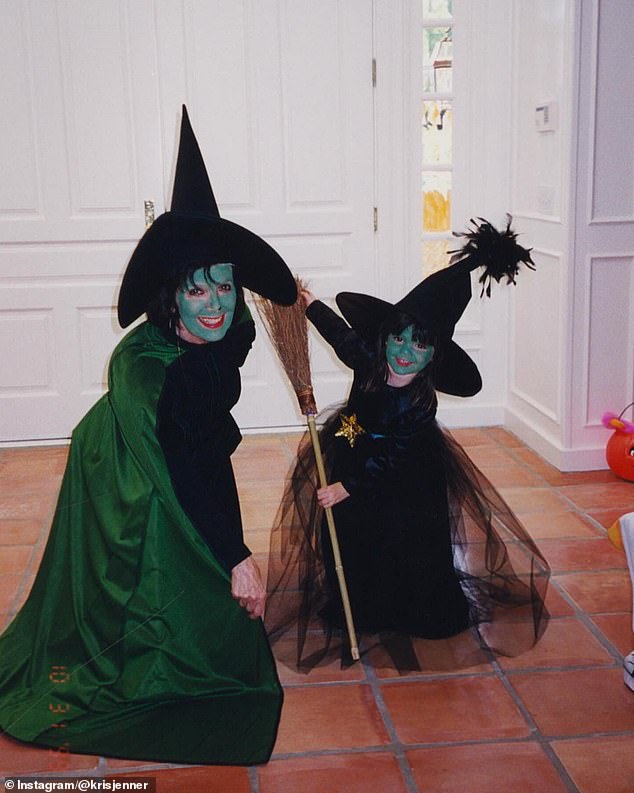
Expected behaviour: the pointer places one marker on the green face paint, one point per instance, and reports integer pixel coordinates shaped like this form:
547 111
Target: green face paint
405 355
206 305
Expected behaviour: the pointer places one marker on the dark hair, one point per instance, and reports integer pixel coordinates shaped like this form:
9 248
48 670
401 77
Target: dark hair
162 309
423 384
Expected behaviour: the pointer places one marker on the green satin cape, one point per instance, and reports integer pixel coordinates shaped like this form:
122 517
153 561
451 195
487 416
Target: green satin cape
130 640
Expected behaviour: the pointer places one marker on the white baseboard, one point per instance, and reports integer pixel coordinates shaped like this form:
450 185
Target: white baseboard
564 459
34 442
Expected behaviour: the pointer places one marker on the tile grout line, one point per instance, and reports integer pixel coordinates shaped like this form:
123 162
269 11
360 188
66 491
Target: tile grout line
579 613
536 734
254 779
396 747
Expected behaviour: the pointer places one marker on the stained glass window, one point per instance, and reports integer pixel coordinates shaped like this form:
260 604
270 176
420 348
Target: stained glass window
436 132
437 8
437 59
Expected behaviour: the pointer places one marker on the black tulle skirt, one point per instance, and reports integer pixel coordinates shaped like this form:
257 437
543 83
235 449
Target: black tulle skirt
440 572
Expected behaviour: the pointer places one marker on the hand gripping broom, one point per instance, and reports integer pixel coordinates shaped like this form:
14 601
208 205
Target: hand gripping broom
288 330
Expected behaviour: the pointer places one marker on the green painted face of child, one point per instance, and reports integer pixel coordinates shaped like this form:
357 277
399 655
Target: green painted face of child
206 304
405 355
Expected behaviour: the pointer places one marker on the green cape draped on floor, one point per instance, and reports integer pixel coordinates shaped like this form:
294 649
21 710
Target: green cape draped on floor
130 644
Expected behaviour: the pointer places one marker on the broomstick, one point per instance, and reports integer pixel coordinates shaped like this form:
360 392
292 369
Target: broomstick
288 330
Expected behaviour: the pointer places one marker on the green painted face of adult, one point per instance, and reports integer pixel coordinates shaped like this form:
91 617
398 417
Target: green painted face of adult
206 304
405 355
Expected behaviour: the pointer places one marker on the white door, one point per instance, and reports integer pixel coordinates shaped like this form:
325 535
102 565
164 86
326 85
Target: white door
79 147
280 96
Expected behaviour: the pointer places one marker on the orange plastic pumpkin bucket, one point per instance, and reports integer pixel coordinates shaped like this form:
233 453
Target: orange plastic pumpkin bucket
619 451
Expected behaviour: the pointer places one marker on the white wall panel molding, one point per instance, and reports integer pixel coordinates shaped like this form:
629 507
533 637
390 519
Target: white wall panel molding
523 215
27 361
616 220
82 119
314 107
220 60
102 131
97 334
538 330
318 257
541 58
58 334
601 375
608 340
80 260
20 186
611 166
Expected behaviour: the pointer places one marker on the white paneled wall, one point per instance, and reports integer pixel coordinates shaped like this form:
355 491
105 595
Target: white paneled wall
573 330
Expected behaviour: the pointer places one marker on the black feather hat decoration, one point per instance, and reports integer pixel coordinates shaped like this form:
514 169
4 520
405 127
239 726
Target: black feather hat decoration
497 251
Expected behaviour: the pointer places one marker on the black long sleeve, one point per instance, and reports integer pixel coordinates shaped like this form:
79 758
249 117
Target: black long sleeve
198 434
347 344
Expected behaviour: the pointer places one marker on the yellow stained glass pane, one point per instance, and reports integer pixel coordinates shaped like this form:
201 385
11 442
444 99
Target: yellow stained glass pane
437 132
434 254
436 200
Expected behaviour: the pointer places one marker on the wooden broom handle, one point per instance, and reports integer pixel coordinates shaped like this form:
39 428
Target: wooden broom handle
314 436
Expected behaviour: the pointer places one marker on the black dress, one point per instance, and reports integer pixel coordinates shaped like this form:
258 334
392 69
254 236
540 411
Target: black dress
423 535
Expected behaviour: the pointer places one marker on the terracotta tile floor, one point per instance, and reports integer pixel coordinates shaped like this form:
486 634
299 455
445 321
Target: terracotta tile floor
555 719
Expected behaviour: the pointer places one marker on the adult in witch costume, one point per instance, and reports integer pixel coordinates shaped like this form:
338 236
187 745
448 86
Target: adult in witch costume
429 547
136 640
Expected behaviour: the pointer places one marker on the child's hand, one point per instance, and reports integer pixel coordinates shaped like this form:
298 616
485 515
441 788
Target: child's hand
307 296
332 494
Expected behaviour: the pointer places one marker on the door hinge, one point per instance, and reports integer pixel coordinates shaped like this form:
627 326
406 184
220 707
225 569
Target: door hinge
376 218
374 72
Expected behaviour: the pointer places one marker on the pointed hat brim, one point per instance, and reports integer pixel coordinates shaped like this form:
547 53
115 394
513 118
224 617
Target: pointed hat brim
176 241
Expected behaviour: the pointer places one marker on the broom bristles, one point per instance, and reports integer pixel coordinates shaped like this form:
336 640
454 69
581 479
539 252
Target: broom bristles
287 328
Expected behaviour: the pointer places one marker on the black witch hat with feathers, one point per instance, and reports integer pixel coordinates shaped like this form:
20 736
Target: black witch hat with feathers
438 302
193 233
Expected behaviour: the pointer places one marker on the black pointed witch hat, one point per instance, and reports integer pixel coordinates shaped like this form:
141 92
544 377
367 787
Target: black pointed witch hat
438 302
192 232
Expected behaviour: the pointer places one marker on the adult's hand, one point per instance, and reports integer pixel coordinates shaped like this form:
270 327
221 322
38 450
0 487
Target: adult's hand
332 494
247 587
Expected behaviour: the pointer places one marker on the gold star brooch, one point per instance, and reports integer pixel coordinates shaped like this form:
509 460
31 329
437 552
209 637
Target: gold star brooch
350 428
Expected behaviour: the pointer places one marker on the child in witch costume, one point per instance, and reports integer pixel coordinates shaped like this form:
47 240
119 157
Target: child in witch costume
423 534
141 637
